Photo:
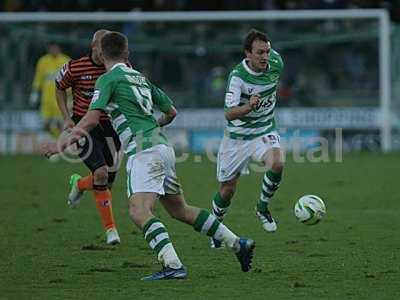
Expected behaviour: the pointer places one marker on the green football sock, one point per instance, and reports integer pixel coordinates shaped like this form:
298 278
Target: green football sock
270 185
157 236
220 206
209 224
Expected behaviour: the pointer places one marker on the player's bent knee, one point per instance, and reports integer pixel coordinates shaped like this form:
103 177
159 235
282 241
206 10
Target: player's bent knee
227 191
277 167
138 213
101 175
134 211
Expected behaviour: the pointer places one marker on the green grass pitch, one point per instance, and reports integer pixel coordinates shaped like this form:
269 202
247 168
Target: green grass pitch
49 251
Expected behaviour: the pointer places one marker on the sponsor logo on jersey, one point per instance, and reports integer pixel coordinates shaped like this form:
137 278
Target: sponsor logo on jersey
87 94
250 90
95 96
86 77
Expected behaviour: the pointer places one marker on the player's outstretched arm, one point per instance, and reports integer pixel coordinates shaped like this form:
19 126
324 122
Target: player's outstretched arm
167 117
86 124
237 112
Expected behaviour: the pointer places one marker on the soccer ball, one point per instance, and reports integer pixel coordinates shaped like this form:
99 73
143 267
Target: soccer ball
310 209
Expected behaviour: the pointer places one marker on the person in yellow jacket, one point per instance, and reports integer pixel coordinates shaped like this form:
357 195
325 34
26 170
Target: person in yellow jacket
43 87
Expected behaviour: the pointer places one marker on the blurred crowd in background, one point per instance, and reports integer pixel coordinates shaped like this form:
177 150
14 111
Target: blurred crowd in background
327 62
190 5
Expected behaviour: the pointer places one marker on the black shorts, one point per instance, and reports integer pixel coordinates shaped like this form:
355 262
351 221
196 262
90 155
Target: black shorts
105 145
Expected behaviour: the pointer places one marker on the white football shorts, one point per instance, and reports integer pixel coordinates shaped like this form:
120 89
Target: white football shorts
234 155
153 170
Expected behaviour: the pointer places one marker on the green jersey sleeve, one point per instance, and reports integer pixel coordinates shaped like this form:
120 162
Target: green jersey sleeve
160 99
102 94
276 61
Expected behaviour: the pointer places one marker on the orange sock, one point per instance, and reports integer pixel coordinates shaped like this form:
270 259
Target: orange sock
103 203
85 183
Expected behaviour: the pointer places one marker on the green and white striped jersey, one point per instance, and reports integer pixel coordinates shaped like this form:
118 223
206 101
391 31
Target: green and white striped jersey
244 82
128 97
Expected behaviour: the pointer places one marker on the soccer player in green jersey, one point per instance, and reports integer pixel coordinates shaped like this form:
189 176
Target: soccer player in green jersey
128 98
251 131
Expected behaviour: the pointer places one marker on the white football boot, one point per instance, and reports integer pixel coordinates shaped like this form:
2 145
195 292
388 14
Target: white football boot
267 222
112 237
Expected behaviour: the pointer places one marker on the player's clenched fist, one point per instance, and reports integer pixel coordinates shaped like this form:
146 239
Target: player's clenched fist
254 100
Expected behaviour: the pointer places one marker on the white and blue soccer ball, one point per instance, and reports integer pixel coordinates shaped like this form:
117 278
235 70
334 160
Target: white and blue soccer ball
310 209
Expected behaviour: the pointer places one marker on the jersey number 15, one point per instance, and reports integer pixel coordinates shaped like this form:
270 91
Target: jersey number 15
143 97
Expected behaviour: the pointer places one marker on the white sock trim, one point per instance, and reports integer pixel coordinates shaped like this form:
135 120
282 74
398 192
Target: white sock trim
159 238
168 257
207 224
153 227
225 235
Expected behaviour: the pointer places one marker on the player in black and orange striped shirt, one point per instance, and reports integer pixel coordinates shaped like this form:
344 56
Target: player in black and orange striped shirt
101 153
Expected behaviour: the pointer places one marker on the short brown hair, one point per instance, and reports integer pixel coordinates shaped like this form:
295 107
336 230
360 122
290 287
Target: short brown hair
114 45
253 35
